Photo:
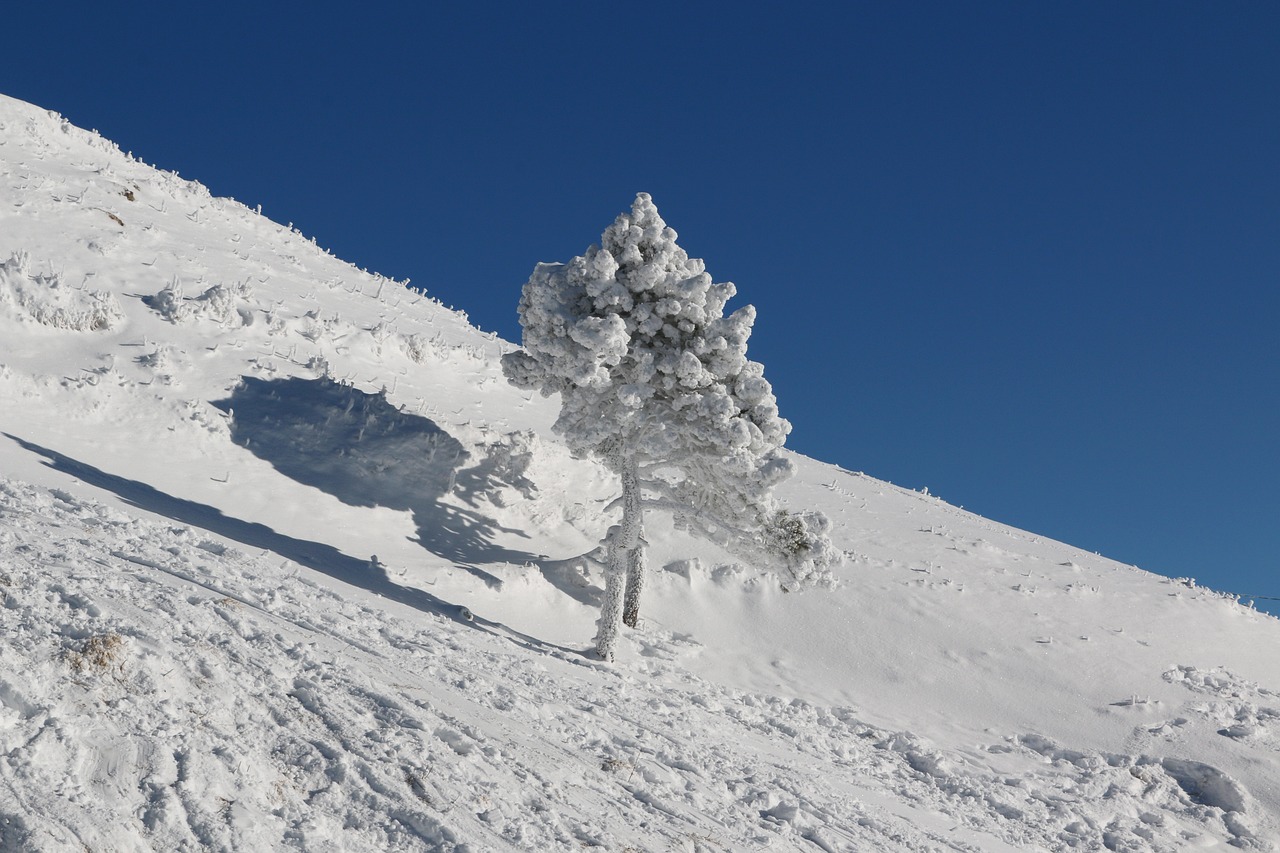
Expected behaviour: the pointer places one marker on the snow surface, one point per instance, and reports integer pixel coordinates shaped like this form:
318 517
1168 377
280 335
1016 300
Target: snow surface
286 564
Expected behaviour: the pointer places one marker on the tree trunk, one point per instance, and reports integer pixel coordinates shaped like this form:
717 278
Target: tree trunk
633 539
636 565
611 608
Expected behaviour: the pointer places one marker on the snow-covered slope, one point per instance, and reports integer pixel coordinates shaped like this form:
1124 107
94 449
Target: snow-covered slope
211 426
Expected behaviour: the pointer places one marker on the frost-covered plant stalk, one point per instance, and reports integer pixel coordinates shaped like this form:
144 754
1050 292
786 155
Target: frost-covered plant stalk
49 301
655 382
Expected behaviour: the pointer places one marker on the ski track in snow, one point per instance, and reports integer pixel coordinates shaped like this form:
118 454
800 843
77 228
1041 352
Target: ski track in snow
207 416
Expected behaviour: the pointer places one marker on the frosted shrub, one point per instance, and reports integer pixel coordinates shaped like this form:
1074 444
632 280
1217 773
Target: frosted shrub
315 328
49 301
418 348
801 541
654 382
421 349
168 303
219 303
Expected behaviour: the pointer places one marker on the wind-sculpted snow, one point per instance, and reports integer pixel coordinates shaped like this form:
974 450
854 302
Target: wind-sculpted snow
285 563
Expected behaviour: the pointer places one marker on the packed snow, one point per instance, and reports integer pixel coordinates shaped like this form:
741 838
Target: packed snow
287 564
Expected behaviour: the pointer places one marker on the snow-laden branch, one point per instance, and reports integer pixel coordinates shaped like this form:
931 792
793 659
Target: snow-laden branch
654 376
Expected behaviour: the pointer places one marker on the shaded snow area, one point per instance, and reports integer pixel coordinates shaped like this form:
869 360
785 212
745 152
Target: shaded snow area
285 564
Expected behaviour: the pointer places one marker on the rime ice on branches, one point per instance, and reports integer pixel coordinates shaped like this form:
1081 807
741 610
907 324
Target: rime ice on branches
655 382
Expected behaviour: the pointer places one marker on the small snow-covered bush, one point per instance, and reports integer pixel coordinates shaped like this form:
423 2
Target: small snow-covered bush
168 303
801 540
220 303
418 348
421 349
316 328
160 362
49 301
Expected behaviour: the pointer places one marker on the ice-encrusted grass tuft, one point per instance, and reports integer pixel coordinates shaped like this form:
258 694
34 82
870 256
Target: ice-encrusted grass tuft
49 301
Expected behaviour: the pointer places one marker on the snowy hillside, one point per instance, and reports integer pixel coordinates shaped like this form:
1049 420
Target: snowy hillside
211 427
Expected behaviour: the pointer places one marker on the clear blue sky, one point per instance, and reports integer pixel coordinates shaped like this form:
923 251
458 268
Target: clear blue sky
1024 254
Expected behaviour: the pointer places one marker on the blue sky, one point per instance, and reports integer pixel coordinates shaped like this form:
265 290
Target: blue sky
1024 254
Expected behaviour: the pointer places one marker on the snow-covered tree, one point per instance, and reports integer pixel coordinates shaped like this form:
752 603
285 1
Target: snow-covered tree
655 383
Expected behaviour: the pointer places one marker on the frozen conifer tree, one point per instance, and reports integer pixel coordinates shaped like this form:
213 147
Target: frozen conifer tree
655 383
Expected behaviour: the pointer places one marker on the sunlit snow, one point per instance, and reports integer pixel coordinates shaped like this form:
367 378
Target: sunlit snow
286 563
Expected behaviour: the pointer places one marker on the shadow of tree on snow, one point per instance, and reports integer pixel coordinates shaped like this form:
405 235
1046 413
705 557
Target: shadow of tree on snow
572 576
365 452
314 555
